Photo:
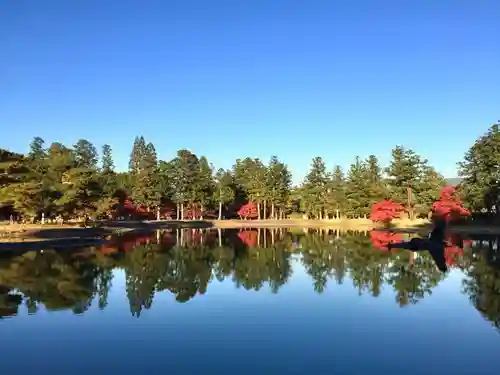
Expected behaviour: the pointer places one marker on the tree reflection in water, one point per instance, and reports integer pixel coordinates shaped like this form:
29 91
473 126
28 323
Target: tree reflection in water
184 262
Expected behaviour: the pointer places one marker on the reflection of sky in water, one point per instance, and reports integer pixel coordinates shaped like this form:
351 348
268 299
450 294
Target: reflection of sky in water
233 330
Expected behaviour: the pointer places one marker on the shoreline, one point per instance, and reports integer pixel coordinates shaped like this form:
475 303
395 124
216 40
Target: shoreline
14 237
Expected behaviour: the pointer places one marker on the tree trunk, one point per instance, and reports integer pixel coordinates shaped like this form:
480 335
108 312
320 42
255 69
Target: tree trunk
258 211
158 213
219 234
265 209
182 211
220 210
272 211
201 211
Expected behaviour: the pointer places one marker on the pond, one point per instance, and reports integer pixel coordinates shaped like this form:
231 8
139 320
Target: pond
251 302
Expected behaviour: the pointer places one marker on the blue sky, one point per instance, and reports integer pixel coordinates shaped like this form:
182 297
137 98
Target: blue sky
230 79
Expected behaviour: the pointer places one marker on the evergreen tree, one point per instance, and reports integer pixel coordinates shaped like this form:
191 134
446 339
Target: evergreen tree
21 184
251 179
376 189
185 173
481 172
138 151
205 184
108 175
314 188
336 193
85 154
37 151
404 172
278 185
107 164
357 200
223 191
430 187
146 184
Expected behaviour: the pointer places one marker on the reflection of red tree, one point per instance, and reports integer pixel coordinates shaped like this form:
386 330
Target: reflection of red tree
109 248
248 211
385 211
451 254
454 248
381 239
449 205
249 237
127 243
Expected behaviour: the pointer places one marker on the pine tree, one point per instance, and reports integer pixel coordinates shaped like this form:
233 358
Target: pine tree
481 172
146 184
314 188
185 172
37 151
251 178
108 176
356 193
205 184
138 151
404 172
224 189
107 164
85 154
278 186
430 187
336 193
376 190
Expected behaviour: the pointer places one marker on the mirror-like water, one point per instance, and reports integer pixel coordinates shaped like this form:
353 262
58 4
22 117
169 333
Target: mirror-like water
251 302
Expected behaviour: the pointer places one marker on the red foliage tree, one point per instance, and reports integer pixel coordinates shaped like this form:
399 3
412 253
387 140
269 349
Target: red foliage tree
134 210
385 211
248 211
449 206
249 237
380 239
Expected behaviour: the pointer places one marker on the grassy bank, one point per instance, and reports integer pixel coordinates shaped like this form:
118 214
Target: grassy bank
347 224
13 233
13 236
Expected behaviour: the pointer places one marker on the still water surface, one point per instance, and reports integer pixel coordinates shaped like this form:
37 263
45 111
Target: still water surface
250 302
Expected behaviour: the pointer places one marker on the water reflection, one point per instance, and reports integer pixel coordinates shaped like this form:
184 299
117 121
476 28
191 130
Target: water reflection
184 262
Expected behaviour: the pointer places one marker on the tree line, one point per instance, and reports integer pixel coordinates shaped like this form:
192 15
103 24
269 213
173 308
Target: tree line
69 182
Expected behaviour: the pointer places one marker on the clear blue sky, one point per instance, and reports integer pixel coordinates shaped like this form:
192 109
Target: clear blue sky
226 79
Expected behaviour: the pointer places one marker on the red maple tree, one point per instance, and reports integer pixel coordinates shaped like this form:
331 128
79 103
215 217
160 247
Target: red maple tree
248 211
449 206
385 211
380 239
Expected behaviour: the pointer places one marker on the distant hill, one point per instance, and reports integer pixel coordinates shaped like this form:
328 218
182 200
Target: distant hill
453 181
